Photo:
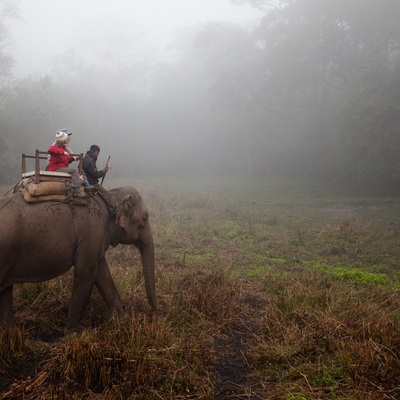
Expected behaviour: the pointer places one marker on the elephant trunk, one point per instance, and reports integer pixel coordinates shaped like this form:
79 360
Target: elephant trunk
146 248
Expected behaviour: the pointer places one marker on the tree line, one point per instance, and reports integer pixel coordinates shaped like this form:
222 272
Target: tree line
311 90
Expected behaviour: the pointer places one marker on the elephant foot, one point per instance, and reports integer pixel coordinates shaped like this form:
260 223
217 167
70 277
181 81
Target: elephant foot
75 330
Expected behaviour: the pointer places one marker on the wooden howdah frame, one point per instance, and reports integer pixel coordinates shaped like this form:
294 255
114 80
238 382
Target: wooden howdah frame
41 175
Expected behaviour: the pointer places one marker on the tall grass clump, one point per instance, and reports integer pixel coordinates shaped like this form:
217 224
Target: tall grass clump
138 359
12 343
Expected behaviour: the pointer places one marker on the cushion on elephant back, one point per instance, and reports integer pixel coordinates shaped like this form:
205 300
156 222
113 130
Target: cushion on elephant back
48 191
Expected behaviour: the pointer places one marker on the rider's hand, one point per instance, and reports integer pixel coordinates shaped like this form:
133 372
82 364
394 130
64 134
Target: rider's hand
106 169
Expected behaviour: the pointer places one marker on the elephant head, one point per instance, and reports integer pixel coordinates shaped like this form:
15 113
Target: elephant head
132 219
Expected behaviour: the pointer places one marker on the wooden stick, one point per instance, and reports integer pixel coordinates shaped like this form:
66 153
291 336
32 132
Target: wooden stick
102 179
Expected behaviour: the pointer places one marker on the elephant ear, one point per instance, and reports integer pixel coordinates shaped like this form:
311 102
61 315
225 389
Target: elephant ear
124 210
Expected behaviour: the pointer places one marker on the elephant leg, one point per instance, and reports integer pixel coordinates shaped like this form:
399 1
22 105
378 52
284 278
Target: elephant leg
107 289
6 307
82 288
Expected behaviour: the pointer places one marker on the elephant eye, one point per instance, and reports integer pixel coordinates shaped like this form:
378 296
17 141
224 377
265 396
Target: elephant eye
144 220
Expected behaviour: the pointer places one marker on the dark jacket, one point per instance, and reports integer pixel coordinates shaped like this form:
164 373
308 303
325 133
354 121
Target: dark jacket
90 168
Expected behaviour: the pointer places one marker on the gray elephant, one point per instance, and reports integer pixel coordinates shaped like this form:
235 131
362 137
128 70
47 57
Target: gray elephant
41 241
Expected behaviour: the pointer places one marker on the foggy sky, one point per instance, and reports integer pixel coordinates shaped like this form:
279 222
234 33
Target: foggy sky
48 28
245 94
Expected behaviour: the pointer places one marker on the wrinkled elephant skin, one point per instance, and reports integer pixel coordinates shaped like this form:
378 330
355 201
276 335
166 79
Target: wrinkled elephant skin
41 241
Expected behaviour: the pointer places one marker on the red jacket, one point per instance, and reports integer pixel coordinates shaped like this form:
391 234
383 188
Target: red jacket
57 157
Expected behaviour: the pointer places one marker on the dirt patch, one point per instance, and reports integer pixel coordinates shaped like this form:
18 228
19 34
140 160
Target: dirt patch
234 375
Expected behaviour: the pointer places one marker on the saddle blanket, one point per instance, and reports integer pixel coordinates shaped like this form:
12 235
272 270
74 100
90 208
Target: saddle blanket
49 191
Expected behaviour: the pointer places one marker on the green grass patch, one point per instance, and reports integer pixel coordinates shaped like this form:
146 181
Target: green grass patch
356 275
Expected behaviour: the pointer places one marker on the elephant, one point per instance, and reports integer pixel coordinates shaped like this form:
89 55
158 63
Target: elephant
40 241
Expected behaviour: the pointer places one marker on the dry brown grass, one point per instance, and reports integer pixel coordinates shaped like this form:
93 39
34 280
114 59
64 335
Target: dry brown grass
328 340
133 360
170 357
12 343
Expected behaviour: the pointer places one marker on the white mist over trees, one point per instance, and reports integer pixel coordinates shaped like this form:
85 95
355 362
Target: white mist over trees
312 90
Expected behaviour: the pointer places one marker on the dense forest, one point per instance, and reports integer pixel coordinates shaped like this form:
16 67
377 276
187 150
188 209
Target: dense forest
311 90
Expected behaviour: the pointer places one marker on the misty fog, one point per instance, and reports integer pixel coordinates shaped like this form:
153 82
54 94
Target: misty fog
298 88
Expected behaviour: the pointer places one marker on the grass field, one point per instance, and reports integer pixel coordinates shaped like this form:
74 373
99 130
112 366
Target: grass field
267 290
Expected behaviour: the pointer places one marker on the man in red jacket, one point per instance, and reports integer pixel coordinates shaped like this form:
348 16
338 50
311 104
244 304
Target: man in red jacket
60 160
